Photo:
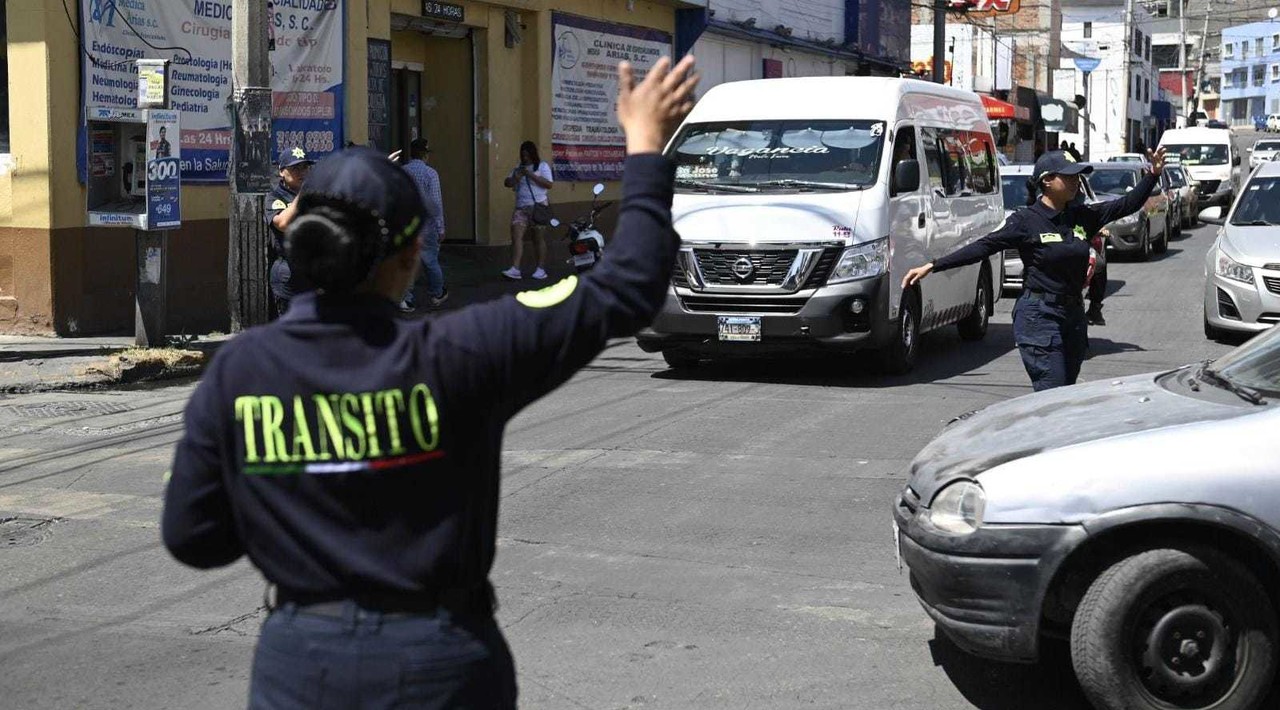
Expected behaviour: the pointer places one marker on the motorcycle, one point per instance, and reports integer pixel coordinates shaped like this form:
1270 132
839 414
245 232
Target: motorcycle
586 243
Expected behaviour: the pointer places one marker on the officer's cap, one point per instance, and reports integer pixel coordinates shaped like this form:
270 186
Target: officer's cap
294 157
1057 162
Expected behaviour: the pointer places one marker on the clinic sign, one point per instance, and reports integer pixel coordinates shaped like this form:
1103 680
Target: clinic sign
586 142
307 72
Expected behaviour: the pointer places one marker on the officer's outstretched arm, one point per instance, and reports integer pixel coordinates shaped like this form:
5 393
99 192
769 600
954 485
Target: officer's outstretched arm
514 350
1104 213
197 525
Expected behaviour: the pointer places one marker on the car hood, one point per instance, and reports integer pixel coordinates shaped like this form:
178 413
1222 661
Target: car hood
1054 419
1208 172
774 217
1253 246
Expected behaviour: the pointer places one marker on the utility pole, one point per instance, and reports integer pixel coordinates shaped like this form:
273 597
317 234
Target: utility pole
1128 64
939 40
249 167
1182 55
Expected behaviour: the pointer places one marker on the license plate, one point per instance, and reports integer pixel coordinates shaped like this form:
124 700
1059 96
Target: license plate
584 259
742 329
897 547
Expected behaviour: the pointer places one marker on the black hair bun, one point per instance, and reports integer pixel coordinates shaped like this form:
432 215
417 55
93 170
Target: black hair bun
326 250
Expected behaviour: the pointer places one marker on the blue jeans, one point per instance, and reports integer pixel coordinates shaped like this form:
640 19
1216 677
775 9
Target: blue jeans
367 659
1052 339
430 256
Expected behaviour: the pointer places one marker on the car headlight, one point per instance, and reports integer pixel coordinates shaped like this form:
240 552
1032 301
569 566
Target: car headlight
1229 268
861 261
1129 220
958 508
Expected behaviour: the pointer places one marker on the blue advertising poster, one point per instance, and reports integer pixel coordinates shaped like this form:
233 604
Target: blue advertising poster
307 72
164 160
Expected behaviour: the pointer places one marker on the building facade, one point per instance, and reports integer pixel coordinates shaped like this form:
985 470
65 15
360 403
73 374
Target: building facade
1250 72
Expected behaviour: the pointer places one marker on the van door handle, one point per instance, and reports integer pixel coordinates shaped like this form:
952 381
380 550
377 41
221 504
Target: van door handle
920 221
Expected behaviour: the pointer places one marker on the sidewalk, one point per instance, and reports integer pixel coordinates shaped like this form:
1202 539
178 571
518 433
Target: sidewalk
32 364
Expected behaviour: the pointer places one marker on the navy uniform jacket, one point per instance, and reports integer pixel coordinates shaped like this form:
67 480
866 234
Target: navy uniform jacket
348 451
282 281
1054 246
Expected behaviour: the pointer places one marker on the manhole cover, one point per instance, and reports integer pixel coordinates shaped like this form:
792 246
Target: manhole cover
23 532
51 410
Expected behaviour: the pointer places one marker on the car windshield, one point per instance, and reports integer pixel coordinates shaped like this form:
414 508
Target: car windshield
1212 154
779 154
1259 203
1267 145
1256 364
1115 182
1176 177
1014 188
1126 159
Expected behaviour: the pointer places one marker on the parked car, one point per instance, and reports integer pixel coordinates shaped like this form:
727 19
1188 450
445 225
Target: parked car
1013 186
1259 123
786 194
1128 158
1264 150
1137 517
1273 122
1215 123
1146 231
1188 199
1242 268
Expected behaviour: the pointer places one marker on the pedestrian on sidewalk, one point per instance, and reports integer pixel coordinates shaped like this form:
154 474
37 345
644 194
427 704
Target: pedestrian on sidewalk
281 209
354 456
531 181
428 182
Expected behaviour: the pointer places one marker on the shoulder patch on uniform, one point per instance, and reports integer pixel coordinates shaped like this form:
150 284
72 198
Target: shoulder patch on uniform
552 295
1050 237
278 205
1079 232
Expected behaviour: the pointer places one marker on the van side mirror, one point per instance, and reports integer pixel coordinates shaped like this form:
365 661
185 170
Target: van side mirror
906 177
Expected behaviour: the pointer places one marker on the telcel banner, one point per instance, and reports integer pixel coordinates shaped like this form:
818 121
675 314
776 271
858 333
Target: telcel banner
307 71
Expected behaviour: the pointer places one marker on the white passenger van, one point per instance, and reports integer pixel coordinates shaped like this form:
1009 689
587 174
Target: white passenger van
1209 157
801 203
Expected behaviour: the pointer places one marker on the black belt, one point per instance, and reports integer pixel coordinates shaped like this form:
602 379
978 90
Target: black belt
1056 299
473 600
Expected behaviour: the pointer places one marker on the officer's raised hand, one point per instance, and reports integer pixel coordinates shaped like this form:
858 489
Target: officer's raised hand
1157 160
650 112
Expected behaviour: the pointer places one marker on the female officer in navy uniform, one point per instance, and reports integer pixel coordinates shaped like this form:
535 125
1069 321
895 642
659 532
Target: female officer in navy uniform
353 456
1052 237
281 210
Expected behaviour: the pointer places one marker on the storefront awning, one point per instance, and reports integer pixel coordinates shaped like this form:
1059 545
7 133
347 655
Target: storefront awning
997 109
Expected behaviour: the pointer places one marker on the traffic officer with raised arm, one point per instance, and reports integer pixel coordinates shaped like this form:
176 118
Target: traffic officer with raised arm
1052 237
353 456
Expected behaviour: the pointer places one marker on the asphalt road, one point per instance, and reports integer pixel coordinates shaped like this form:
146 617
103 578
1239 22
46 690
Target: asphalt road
720 540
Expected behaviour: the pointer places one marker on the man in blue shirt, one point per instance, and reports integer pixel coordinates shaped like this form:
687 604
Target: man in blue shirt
428 182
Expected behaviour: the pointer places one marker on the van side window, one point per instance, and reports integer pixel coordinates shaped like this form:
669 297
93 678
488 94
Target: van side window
933 158
904 148
956 163
982 163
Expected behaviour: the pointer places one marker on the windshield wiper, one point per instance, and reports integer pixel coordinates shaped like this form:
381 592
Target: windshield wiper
1255 223
810 184
714 186
1212 376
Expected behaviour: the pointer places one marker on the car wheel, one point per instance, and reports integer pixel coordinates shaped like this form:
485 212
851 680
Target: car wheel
899 356
1213 332
1144 246
1195 214
1175 628
1162 246
678 360
974 325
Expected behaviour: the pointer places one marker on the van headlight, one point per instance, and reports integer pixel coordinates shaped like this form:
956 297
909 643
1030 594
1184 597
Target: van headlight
958 508
1229 268
861 261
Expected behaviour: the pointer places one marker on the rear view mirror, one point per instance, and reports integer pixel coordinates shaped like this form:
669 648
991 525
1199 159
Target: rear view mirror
1212 215
906 177
599 188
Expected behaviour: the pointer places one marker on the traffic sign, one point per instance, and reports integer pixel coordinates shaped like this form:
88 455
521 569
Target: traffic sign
1087 64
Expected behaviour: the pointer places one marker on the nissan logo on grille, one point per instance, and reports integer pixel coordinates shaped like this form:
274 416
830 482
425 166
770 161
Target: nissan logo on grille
743 269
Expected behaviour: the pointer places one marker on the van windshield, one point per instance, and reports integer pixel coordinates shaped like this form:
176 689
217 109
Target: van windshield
748 156
1198 154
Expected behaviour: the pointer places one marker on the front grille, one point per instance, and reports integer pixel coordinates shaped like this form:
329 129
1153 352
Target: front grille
679 277
1272 318
1272 282
736 304
1226 306
1208 187
770 266
822 270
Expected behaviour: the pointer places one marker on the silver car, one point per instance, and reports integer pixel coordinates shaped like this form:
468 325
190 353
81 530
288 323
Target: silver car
1013 185
1181 182
1264 150
1242 268
1139 518
1148 230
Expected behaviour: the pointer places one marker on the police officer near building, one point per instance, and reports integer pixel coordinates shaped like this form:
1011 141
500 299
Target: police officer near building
353 456
1052 237
282 208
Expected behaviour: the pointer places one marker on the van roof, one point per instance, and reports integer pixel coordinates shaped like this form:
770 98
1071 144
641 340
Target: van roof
817 97
1200 134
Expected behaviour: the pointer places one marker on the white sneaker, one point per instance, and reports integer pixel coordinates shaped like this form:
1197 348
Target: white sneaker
513 273
540 274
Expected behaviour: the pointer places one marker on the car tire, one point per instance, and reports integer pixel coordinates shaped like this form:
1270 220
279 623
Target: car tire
1162 246
1144 245
974 326
678 360
1156 606
898 357
1195 215
1213 332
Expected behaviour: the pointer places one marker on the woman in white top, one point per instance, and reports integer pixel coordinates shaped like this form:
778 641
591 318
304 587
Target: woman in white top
530 180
